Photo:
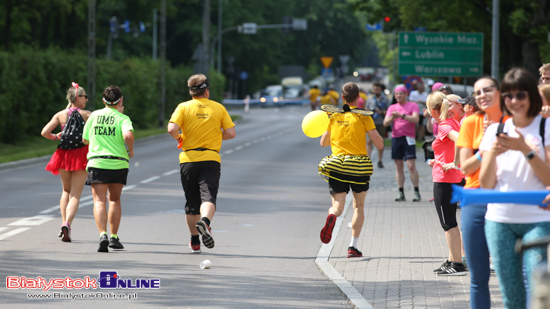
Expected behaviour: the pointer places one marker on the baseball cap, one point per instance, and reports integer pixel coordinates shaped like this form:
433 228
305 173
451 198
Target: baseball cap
470 100
436 86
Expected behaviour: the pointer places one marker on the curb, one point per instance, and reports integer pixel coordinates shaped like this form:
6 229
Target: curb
25 162
356 299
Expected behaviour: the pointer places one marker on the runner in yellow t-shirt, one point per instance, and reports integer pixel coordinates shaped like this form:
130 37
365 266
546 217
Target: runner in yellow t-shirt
204 124
314 94
334 94
349 165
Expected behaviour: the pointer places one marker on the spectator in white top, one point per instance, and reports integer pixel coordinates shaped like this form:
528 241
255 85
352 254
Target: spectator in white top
420 96
516 157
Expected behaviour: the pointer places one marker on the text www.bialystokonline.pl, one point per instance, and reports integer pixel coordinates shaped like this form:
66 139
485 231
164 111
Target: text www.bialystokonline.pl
73 296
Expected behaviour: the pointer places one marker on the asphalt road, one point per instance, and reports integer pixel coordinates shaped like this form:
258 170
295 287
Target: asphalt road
271 207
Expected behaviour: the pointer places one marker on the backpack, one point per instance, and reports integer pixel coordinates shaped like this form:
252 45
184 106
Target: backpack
71 137
500 128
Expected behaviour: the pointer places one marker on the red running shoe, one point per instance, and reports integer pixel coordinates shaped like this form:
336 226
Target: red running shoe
206 233
195 248
326 232
353 252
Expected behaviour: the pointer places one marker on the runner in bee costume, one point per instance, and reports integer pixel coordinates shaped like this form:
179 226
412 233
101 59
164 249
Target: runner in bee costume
349 166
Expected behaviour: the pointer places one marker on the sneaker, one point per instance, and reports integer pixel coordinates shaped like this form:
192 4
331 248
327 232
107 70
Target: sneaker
431 200
115 243
326 232
416 196
380 164
60 233
443 266
195 248
103 243
353 252
206 233
401 197
492 267
454 269
66 231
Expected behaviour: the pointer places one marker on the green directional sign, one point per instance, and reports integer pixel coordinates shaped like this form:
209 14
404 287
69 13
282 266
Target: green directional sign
440 53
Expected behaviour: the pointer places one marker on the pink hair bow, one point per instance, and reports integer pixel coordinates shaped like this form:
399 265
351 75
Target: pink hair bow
75 85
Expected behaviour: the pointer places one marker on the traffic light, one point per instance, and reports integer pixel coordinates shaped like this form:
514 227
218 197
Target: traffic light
387 19
388 25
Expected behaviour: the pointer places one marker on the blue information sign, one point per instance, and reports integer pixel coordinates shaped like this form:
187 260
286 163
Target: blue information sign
243 75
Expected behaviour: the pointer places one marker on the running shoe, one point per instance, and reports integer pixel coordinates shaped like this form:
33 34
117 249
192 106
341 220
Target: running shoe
103 243
60 233
66 231
443 266
326 232
380 164
354 252
492 267
115 243
401 197
416 196
454 269
206 233
195 248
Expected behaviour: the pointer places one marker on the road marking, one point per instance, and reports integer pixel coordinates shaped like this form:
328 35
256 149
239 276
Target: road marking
36 220
128 188
171 172
228 151
3 228
49 210
14 232
247 144
239 148
150 179
322 262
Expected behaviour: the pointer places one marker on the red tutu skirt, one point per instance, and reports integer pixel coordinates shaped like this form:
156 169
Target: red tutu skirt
68 159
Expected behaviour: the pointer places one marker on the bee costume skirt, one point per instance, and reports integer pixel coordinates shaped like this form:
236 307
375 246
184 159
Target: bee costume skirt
346 168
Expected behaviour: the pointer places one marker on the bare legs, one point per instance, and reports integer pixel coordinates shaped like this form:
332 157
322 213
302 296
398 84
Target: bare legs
99 192
73 183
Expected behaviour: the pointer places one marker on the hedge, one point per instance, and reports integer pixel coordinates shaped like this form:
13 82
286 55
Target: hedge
33 87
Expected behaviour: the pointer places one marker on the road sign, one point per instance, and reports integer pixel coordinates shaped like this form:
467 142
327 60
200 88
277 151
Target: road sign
243 75
250 28
375 27
327 61
327 73
299 24
440 53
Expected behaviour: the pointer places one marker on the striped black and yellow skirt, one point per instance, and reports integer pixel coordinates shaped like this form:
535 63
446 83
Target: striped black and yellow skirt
346 168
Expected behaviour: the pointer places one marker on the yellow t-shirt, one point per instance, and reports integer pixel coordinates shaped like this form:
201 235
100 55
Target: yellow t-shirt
326 99
201 121
314 94
470 136
348 133
334 94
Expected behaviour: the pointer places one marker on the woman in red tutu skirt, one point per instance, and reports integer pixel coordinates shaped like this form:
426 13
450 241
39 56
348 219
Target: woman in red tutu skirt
69 160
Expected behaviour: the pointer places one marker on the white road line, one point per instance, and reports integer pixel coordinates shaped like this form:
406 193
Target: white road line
150 179
322 262
248 144
239 148
54 208
128 188
14 232
228 151
171 172
36 220
88 197
3 228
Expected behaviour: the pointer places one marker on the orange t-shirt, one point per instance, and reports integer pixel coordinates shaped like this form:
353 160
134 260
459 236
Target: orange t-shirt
470 136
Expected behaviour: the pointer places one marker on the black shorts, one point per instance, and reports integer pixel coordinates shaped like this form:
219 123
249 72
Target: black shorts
337 186
442 200
401 150
101 175
200 182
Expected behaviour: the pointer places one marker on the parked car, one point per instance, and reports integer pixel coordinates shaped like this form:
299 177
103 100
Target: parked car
272 95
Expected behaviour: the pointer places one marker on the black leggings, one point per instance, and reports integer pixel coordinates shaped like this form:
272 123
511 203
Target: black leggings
445 210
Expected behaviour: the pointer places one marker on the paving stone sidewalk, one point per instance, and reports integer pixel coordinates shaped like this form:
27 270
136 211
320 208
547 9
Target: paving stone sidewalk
402 243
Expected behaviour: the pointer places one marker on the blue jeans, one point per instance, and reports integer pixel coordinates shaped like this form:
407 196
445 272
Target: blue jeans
501 238
477 254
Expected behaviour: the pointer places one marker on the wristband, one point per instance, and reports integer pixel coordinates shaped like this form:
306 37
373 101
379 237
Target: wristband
478 156
530 155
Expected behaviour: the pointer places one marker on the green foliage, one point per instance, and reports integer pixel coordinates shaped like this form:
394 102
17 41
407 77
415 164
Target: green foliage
33 87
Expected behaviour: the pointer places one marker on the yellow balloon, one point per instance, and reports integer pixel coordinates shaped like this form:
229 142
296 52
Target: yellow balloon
315 123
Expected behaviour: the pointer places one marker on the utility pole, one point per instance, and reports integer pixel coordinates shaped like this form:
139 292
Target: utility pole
91 51
495 41
220 36
162 64
206 35
155 30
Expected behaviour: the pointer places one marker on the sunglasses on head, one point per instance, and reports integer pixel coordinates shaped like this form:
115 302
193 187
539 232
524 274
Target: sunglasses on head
520 95
84 95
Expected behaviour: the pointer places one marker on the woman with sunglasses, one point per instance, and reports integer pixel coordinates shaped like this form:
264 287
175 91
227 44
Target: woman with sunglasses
516 158
69 164
487 96
445 173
